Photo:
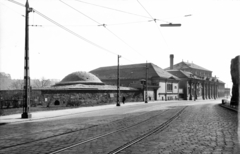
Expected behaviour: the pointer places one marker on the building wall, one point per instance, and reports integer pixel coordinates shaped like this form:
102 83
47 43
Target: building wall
150 94
175 87
162 92
172 97
227 92
221 90
162 88
71 97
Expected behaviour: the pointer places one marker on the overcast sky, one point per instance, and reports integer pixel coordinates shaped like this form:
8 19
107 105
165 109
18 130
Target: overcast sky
208 38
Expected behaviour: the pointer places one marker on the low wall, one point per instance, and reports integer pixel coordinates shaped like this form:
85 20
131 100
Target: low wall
13 98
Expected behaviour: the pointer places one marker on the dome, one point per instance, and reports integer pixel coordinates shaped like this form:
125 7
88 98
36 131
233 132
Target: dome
80 78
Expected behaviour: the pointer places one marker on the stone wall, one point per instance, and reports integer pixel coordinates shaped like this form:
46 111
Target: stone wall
14 98
68 97
235 66
83 98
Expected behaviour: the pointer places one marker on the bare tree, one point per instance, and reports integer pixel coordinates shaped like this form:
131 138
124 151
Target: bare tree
17 84
36 83
5 81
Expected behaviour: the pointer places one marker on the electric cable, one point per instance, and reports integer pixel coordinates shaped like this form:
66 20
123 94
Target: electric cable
12 9
73 33
112 9
145 9
16 3
158 27
80 12
125 23
68 30
104 25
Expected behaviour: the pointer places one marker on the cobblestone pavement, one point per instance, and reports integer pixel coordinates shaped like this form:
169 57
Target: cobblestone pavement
207 129
111 142
27 132
74 134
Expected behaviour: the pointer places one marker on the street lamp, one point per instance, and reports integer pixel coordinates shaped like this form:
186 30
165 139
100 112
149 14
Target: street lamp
170 25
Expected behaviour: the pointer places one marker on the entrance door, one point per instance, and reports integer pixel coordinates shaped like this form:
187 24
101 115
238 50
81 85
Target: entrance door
155 95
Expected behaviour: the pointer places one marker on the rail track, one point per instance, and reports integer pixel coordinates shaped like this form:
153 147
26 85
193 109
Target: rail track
87 140
150 132
144 124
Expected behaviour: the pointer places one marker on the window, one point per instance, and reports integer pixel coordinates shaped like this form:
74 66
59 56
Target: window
169 87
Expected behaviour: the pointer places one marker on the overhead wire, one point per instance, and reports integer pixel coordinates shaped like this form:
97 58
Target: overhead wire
80 12
121 10
17 3
114 24
73 33
68 30
158 27
73 25
155 20
104 25
12 9
112 9
145 9
125 23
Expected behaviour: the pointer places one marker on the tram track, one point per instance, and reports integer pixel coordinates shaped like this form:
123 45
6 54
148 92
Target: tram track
94 138
159 128
151 132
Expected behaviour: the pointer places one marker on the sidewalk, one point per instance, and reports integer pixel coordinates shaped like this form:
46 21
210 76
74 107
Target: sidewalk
229 107
16 118
41 115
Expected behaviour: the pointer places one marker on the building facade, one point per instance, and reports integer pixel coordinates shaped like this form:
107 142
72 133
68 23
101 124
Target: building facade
196 82
161 84
76 89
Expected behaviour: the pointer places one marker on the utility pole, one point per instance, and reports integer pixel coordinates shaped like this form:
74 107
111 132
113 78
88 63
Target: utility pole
146 94
26 95
118 82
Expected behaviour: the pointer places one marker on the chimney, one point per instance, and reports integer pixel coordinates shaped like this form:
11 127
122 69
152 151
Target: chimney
171 61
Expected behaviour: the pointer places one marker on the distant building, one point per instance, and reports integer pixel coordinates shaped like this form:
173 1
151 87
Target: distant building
76 89
196 82
161 84
227 92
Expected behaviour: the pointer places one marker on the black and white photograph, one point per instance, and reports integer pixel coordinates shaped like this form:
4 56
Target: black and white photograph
119 76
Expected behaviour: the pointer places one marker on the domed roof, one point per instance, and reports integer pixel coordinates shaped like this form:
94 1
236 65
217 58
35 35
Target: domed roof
79 78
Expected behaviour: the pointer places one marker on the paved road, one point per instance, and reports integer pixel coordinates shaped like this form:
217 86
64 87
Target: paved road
203 127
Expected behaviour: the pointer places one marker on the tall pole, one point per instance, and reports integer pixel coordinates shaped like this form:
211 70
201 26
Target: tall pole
118 82
26 96
146 93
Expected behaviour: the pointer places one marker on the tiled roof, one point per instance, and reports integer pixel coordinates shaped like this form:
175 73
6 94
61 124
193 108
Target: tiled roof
177 73
186 64
86 87
192 65
184 74
134 71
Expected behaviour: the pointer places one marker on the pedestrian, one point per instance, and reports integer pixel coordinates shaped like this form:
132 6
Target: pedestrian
123 99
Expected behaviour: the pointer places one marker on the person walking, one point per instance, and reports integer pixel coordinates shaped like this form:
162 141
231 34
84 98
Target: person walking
123 99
